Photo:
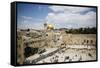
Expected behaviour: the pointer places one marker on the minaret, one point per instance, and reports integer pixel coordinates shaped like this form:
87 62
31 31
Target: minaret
45 26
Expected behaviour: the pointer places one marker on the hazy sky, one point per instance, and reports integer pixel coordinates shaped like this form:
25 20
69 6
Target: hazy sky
34 16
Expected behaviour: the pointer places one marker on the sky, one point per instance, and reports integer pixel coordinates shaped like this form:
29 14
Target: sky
34 16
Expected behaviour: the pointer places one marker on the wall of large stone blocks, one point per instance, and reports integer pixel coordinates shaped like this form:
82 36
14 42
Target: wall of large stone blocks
79 39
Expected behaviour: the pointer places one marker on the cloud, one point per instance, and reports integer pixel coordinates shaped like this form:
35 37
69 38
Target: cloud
69 9
30 24
25 22
26 17
71 17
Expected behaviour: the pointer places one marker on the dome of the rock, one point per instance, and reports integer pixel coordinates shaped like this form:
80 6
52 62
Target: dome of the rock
50 27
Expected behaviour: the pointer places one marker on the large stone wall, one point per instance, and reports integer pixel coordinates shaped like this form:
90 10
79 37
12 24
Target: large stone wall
79 39
60 40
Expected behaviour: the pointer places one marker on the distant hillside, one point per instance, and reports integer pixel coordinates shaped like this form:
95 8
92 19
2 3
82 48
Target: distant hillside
88 30
82 31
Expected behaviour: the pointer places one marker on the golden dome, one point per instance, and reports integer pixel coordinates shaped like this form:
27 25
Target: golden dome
50 27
